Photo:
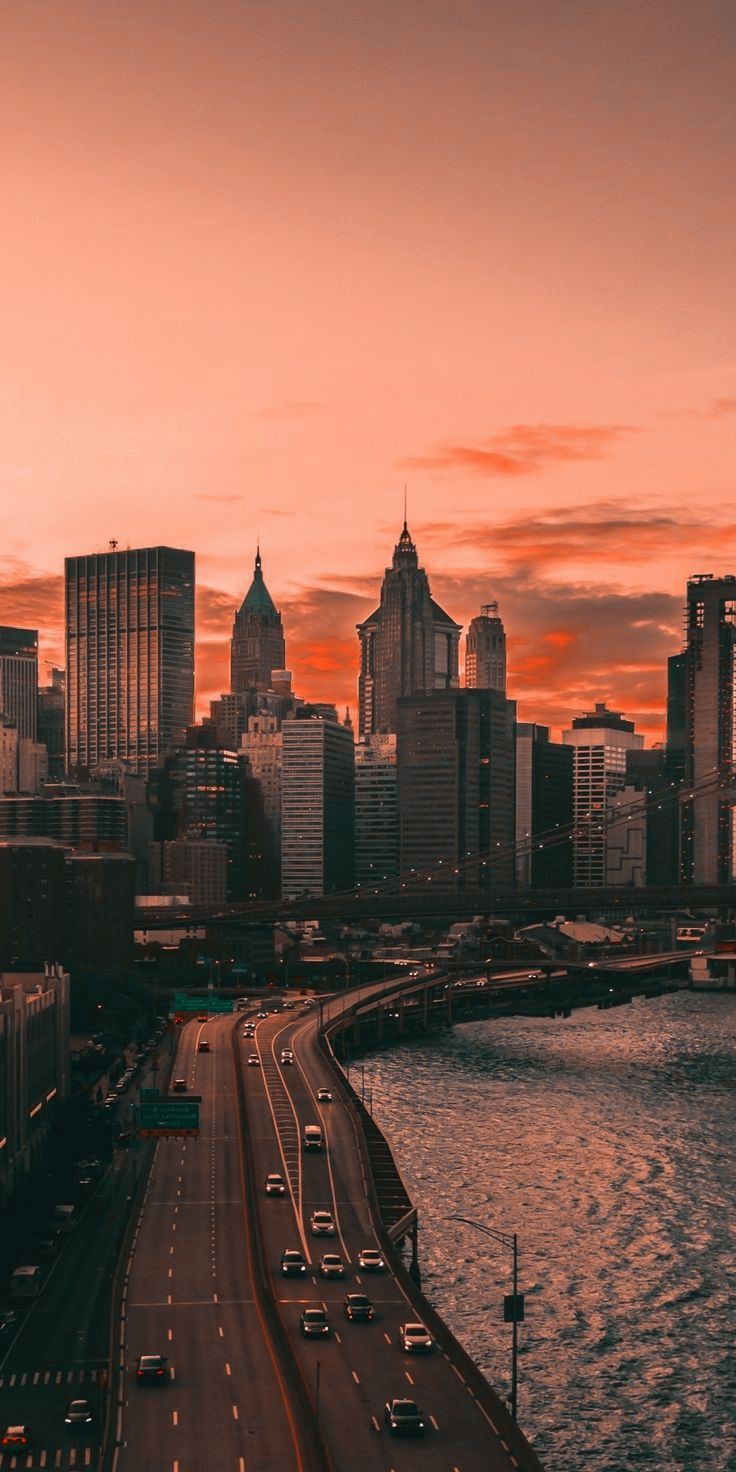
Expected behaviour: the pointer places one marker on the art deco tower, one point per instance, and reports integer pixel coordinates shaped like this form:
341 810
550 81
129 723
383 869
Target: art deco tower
408 646
485 651
257 647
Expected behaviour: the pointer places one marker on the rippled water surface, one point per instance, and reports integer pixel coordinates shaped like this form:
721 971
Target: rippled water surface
607 1142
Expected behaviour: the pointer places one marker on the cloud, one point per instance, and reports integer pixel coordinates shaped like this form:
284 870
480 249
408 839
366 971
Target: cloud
289 409
720 408
227 498
525 449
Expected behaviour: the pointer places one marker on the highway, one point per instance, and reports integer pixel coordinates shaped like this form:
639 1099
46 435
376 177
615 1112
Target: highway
190 1296
360 1365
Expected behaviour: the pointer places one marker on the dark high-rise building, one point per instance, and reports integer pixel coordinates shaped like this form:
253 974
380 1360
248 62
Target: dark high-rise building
32 903
543 808
708 838
649 773
455 763
100 910
485 651
129 655
51 708
317 806
19 679
677 682
408 646
376 813
212 804
258 646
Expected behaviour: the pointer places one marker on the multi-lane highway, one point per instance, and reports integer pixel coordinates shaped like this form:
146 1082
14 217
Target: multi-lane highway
361 1364
190 1297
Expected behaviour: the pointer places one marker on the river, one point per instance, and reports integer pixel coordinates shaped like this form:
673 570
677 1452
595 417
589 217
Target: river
606 1142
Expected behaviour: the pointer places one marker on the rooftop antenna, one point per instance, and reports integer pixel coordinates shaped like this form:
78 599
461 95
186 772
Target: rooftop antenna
405 525
113 544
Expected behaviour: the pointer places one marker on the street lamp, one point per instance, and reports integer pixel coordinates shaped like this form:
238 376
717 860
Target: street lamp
513 1303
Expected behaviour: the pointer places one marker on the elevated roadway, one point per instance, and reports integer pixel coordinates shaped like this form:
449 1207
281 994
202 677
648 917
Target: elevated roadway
353 1372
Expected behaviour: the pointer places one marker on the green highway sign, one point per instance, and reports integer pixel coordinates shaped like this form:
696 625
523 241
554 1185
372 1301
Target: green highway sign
166 1117
148 1095
183 1002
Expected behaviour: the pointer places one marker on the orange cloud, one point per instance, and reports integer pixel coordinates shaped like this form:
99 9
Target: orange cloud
526 449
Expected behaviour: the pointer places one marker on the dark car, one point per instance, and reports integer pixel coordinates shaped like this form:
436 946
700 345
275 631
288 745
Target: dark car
79 1415
358 1307
8 1320
275 1184
16 1436
403 1417
203 1046
331 1266
179 1086
151 1368
315 1323
292 1263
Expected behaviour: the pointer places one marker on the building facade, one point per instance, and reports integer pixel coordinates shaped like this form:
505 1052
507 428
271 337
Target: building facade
708 829
485 651
19 679
317 807
212 804
544 808
408 645
456 789
258 647
600 740
51 710
90 821
129 655
34 1069
376 810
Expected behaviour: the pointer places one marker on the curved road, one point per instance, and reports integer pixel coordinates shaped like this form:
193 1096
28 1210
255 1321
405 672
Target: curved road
360 1365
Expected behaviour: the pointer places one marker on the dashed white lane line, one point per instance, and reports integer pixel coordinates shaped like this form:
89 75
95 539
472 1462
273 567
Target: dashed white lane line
241 1464
337 1337
387 1337
355 1377
235 1413
175 1417
484 1412
375 1424
228 1371
170 1333
221 1331
434 1423
408 1376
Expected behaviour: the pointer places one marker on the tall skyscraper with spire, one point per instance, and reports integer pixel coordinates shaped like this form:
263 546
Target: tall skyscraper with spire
258 646
408 645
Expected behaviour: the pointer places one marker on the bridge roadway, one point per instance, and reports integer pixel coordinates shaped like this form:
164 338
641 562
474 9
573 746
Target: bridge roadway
361 1365
190 1296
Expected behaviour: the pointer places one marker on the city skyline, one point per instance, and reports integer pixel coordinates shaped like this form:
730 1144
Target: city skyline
455 277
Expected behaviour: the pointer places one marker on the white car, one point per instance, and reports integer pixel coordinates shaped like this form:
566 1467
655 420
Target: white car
331 1266
322 1224
253 1060
275 1184
370 1260
324 1096
415 1339
286 1055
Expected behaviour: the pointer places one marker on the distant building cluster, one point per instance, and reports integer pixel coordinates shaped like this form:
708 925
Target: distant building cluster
108 788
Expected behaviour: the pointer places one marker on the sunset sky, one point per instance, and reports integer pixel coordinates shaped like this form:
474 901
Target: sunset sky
265 261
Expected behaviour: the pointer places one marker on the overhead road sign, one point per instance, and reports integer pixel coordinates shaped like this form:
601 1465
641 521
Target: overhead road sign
184 1002
169 1117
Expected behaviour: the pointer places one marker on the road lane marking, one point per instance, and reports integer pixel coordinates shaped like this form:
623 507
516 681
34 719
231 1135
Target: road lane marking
221 1331
375 1424
42 1458
337 1336
241 1464
235 1413
175 1417
168 1299
484 1412
355 1377
171 1272
408 1376
228 1371
434 1423
170 1333
387 1337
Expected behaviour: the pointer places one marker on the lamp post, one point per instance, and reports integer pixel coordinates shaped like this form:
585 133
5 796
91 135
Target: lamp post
513 1303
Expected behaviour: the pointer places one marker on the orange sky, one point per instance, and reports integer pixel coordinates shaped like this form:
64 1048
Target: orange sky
266 260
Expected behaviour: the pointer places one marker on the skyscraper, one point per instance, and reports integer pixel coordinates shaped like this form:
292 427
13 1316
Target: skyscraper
600 741
258 646
19 679
455 757
543 808
485 651
708 847
129 655
408 645
317 807
376 813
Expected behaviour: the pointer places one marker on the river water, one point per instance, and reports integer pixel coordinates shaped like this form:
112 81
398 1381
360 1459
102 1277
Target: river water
606 1142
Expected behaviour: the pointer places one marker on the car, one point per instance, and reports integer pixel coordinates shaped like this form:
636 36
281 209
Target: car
261 1014
288 1006
315 1323
275 1184
249 1032
322 1224
179 1086
324 1096
253 1060
286 1055
331 1265
79 1414
292 1263
121 1086
111 1098
8 1320
358 1307
403 1417
84 1183
370 1260
151 1368
203 1046
16 1436
202 1017
415 1339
